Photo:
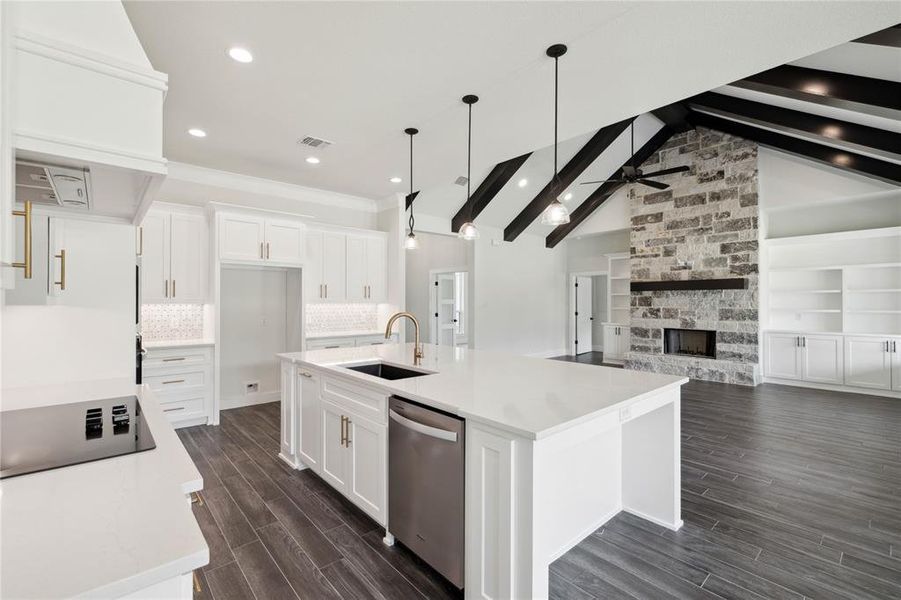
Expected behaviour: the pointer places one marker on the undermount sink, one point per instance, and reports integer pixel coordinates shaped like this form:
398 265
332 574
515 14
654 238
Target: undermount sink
386 371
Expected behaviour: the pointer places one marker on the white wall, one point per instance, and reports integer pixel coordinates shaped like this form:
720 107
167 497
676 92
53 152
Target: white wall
392 221
90 333
520 302
255 325
434 252
588 253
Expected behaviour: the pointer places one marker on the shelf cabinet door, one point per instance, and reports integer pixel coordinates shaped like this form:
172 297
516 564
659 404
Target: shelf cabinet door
376 269
308 414
333 266
611 342
284 241
312 271
334 457
896 364
241 237
822 360
288 409
624 341
783 356
868 362
357 277
368 466
189 258
155 258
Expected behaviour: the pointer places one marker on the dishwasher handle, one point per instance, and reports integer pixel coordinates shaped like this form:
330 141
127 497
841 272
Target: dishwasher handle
435 432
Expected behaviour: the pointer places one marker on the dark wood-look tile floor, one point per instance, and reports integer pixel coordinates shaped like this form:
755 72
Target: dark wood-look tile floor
787 493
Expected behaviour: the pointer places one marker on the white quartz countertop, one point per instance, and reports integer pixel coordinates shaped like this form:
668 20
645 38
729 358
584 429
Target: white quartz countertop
533 397
343 334
104 528
148 345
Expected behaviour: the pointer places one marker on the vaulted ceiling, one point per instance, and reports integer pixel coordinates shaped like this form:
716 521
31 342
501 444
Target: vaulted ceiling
357 73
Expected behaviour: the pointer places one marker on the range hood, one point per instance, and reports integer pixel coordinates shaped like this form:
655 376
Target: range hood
53 185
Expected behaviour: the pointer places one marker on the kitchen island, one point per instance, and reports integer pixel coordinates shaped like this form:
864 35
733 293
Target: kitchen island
120 527
553 449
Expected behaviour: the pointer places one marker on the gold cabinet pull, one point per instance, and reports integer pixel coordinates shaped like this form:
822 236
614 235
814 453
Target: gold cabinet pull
62 269
326 290
197 587
267 250
343 430
173 409
166 287
196 499
347 432
261 248
173 359
26 264
173 288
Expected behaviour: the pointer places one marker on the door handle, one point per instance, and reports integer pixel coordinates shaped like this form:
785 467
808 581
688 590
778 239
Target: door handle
326 290
343 430
62 269
166 287
894 346
305 374
435 432
26 264
173 288
267 250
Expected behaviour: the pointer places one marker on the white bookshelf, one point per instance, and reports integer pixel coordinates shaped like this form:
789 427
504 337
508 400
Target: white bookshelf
848 282
620 293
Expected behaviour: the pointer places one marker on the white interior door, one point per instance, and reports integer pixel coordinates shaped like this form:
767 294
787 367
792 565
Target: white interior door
583 314
445 314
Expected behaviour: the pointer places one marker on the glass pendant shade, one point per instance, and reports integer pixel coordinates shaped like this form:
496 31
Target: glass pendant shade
411 243
555 214
468 231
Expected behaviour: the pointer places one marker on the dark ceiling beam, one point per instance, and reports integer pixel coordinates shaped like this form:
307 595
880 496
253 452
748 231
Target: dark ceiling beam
600 195
488 189
847 135
877 97
599 142
410 198
890 37
842 159
674 115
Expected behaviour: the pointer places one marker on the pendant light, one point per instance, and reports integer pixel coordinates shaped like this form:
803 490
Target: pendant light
468 230
556 212
411 243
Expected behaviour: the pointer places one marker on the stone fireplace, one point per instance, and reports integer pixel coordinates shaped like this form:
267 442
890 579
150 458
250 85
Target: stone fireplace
701 233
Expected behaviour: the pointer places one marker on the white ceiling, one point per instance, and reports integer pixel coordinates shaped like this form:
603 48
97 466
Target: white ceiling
358 73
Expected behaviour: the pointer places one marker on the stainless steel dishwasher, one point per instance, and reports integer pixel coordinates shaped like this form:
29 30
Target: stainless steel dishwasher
425 485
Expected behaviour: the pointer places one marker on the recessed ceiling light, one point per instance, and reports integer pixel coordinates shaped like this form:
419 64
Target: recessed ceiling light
312 160
242 55
197 132
522 182
816 88
395 180
567 197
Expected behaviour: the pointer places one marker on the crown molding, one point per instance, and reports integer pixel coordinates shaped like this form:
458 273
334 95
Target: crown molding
268 187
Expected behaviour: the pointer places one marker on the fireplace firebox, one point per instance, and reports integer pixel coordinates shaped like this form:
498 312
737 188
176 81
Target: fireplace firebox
690 342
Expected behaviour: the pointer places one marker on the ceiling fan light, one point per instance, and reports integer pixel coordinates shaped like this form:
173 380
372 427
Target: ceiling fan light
555 214
410 242
468 232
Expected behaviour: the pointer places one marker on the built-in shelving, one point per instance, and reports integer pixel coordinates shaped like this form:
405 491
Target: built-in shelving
620 301
848 282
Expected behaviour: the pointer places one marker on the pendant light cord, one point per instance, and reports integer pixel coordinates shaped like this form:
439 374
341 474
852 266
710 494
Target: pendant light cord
468 167
556 85
411 183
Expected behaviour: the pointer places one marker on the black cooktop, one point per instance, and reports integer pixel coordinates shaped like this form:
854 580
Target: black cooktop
49 437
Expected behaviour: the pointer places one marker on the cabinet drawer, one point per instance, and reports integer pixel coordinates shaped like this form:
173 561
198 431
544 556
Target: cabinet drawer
322 343
375 340
176 381
359 400
186 407
156 360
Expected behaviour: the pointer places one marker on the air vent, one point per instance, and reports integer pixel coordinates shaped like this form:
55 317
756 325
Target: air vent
93 423
120 419
461 180
314 142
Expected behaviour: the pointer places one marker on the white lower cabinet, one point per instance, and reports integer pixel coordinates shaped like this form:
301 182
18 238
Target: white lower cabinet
350 342
896 364
288 408
342 434
804 357
868 362
783 356
617 341
181 379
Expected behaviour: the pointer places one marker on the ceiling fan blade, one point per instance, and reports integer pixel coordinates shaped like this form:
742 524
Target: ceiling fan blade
653 184
681 169
603 181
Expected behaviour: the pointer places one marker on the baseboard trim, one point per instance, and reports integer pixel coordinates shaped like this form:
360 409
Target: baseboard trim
597 348
833 387
577 539
230 402
671 526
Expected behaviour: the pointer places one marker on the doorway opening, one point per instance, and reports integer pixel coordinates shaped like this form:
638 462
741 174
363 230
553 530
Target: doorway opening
448 307
588 304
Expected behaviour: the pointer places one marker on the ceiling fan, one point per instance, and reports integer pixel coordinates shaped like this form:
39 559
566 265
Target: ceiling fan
632 174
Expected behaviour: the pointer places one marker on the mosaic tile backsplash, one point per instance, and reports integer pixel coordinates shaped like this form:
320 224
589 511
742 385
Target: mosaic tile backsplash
171 322
326 318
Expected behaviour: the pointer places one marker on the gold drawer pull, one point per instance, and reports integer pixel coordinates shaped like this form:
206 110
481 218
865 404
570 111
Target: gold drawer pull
305 374
62 269
173 288
174 381
197 587
196 499
174 359
173 409
26 265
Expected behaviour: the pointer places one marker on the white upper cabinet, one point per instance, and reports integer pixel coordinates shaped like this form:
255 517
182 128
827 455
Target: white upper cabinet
367 264
260 239
333 266
174 251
